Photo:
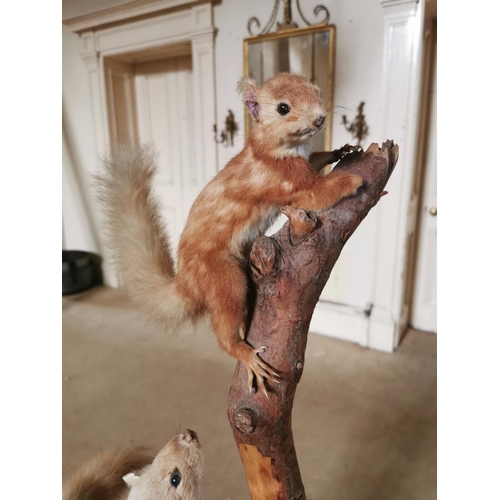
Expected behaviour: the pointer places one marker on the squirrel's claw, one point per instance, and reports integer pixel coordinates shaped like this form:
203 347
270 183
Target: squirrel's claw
258 369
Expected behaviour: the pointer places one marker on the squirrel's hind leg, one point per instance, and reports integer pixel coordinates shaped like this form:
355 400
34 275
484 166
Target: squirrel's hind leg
227 310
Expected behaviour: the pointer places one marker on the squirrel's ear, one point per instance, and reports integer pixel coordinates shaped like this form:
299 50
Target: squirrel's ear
318 91
131 479
248 90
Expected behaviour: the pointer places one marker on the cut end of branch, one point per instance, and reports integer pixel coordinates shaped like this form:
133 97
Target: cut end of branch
389 150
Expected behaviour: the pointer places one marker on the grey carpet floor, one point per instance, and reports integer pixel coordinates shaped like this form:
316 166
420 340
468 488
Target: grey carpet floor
364 422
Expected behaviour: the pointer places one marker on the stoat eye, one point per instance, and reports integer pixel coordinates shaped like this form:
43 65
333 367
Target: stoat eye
283 108
175 478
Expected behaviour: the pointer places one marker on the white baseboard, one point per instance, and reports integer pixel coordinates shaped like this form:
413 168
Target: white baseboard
340 322
381 334
354 325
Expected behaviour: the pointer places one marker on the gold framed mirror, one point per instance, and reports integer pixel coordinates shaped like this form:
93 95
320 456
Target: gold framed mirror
308 51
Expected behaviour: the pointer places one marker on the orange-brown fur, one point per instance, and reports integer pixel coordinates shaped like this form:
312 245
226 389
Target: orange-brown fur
110 475
236 206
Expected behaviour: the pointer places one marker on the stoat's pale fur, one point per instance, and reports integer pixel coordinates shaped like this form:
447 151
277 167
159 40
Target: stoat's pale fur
175 474
236 206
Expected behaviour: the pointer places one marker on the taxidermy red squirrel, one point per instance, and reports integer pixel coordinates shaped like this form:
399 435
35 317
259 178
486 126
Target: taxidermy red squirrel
237 205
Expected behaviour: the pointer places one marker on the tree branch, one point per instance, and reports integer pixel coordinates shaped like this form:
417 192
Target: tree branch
289 271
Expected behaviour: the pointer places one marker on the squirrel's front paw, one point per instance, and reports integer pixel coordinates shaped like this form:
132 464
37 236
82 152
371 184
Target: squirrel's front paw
352 183
349 148
338 154
344 184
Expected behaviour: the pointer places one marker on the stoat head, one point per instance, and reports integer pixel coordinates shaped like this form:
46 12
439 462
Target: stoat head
175 474
287 110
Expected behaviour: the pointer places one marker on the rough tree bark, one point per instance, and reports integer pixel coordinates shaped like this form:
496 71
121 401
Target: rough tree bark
289 271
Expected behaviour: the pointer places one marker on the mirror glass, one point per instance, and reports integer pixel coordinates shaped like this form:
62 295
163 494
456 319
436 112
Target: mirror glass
305 51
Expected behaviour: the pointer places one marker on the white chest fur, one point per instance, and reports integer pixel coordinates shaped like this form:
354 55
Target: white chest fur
242 241
303 150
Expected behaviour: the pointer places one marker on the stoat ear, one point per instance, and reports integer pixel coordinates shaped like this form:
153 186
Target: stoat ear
248 90
131 479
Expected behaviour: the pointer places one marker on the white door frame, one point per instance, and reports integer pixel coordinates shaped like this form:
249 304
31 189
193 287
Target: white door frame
192 24
142 26
424 306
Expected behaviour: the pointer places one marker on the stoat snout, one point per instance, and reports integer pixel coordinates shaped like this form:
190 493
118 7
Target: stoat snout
188 437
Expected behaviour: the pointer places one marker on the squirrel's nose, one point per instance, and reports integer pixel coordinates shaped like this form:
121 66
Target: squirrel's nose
319 121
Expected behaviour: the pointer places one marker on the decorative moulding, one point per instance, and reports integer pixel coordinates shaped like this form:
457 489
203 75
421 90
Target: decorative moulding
126 12
404 4
138 39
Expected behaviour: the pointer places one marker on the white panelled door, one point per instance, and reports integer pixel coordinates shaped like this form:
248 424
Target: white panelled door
165 117
424 308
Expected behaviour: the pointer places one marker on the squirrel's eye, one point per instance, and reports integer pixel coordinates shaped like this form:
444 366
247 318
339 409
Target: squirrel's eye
283 108
175 478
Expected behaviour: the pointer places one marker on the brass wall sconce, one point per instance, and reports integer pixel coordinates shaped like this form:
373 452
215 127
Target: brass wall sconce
358 127
230 127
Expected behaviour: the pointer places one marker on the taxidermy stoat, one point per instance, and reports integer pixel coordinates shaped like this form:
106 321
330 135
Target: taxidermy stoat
174 474
237 205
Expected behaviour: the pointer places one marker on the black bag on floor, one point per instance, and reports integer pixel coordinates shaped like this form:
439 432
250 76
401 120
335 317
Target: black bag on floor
80 271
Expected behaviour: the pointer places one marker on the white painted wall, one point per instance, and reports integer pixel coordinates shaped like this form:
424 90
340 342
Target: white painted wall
80 157
359 57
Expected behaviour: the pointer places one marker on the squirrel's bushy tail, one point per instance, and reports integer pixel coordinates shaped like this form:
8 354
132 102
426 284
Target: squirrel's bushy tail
136 235
102 477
